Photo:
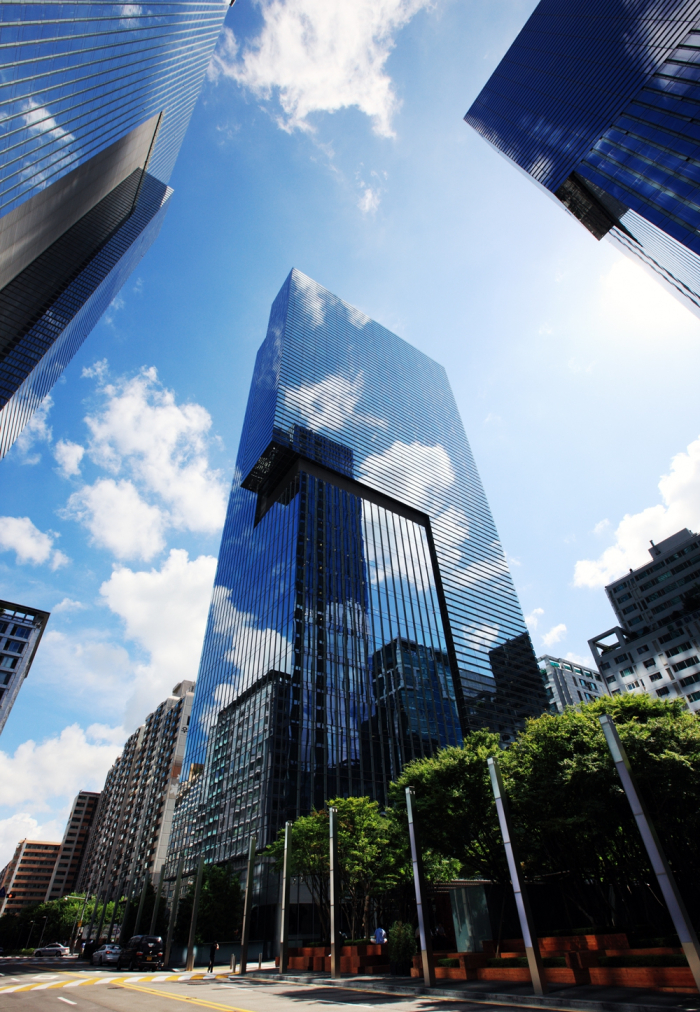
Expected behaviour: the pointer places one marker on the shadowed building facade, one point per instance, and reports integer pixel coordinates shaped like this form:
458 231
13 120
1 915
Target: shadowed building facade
363 614
95 99
600 104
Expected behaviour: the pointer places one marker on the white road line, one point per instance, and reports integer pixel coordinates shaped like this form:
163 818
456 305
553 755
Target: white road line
66 1000
157 980
42 987
356 1004
6 990
74 983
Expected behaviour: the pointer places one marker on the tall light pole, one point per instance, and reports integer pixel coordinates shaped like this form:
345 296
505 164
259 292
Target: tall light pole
284 913
334 890
248 904
426 942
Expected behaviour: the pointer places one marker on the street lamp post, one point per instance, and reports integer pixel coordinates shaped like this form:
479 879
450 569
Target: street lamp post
173 912
284 914
426 942
248 904
532 949
334 890
664 875
195 911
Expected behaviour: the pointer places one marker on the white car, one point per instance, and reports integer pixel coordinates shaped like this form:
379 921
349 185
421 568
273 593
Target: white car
106 954
53 949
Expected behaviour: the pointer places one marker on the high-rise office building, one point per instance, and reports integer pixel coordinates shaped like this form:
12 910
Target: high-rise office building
96 98
129 836
21 629
75 839
363 613
655 648
600 104
569 684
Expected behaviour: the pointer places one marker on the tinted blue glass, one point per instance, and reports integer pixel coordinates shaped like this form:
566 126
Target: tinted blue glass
363 612
76 79
608 96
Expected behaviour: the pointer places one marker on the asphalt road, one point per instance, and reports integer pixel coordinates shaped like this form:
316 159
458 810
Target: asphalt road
61 991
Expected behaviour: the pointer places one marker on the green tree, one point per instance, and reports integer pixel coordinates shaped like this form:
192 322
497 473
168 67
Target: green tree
55 921
220 913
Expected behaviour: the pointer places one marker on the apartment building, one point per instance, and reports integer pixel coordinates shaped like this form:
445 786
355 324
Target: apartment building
569 684
27 877
67 867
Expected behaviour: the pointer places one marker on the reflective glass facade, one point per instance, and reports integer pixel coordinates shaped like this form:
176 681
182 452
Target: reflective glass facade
94 102
601 105
363 613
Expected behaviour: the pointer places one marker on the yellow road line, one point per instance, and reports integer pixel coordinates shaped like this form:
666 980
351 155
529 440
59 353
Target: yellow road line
181 997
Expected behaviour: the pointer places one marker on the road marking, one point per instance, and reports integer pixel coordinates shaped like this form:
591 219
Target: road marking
183 997
67 1000
355 1004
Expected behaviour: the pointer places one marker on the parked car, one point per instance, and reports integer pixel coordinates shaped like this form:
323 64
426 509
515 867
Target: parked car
140 952
106 954
53 949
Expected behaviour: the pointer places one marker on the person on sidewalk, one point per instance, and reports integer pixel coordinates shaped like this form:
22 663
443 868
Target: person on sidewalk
213 948
380 936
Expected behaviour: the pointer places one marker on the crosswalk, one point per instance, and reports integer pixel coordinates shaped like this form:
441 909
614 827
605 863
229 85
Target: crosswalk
160 978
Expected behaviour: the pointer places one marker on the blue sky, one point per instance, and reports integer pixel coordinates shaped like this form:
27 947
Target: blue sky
340 150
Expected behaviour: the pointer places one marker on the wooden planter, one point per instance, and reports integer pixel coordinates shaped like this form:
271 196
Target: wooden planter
521 974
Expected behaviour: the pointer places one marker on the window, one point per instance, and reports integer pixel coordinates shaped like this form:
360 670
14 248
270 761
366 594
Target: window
677 650
567 667
635 621
626 611
655 677
685 664
643 650
578 671
689 680
610 679
622 657
634 685
663 692
605 665
651 663
625 597
555 664
627 671
694 696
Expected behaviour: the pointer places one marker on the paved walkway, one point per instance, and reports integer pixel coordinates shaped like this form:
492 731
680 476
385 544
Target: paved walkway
584 998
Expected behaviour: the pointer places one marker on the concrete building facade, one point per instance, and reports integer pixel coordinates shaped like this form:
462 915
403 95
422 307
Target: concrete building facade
131 828
569 684
26 878
655 647
67 867
21 628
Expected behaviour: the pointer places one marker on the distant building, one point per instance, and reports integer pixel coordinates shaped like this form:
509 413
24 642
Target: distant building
569 684
130 831
655 647
597 102
67 868
28 875
21 628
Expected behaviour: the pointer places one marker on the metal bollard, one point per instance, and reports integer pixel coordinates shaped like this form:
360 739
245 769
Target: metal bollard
260 961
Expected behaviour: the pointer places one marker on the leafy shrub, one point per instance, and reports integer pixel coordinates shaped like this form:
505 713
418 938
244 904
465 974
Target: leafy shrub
402 943
448 962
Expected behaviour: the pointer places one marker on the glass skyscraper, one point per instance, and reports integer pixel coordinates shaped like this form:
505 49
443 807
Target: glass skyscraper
363 613
600 104
95 99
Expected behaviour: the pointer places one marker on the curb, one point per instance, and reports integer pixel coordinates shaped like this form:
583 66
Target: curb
551 1001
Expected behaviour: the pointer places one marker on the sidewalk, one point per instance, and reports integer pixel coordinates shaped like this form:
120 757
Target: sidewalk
584 998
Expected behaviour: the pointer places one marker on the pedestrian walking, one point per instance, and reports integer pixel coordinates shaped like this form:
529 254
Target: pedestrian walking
213 948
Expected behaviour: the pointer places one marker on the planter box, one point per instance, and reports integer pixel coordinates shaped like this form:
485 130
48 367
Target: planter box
654 978
521 974
557 945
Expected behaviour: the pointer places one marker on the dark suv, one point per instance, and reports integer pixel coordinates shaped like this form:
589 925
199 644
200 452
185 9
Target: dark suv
140 952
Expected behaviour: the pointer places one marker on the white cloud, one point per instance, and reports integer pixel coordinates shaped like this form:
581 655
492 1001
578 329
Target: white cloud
19 535
321 56
680 507
67 605
532 620
328 404
411 472
587 662
68 456
369 201
87 665
602 527
23 826
75 760
118 519
164 448
555 635
98 370
165 612
37 430
40 121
